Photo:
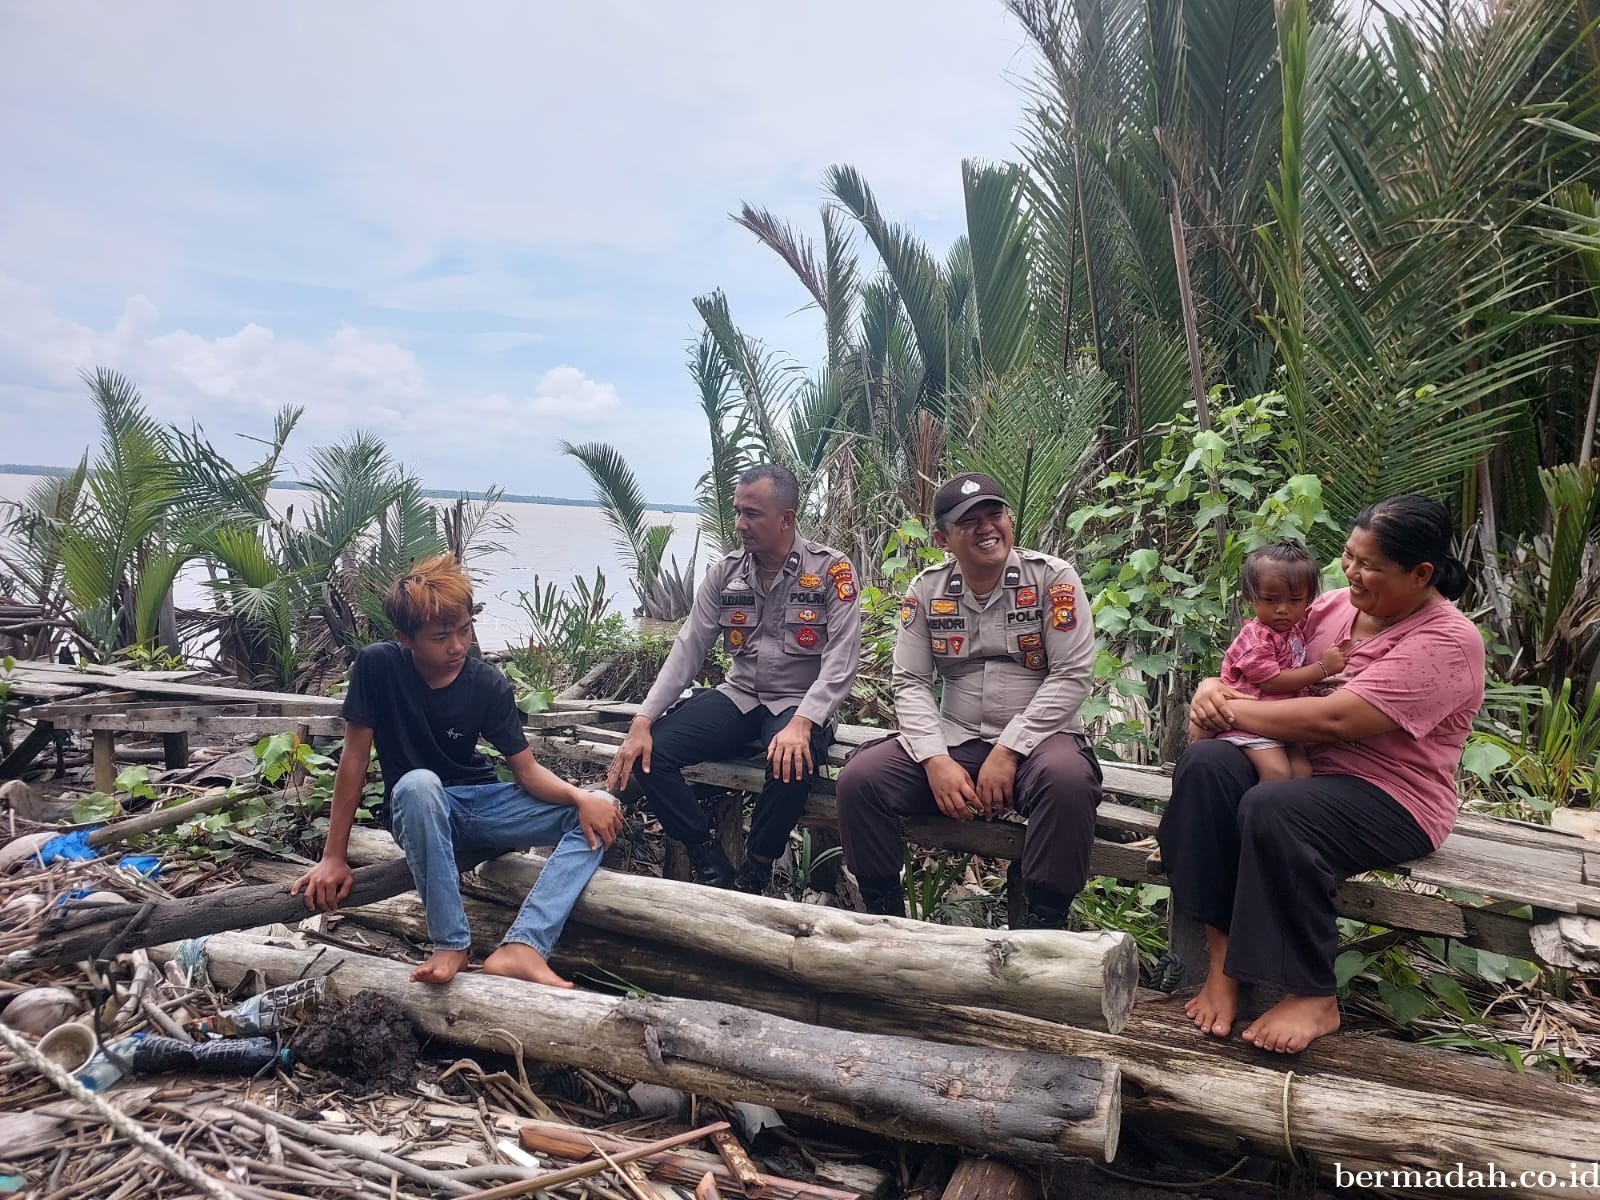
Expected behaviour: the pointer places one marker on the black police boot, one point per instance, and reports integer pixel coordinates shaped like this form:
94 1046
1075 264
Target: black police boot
883 897
1045 908
708 865
753 877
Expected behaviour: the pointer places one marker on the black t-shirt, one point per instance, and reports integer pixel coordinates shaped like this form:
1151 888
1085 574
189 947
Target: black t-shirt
435 729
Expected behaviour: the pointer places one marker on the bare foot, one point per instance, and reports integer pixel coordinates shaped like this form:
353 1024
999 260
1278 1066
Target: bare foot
441 966
1293 1023
518 960
1216 1005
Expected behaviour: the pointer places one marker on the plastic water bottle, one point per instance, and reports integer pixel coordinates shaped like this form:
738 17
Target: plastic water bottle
103 1070
266 1011
227 1056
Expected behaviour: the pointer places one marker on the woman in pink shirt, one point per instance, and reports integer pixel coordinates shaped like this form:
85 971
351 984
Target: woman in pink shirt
1259 863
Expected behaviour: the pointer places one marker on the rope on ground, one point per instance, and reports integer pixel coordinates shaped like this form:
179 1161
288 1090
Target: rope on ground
1288 1140
118 1120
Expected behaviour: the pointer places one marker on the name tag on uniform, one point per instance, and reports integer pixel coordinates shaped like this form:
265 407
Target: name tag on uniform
947 623
738 600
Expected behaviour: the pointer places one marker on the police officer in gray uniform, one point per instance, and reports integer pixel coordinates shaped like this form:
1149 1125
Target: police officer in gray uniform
786 610
1009 632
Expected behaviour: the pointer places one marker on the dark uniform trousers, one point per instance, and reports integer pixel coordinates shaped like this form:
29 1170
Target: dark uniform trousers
1263 861
708 726
1057 789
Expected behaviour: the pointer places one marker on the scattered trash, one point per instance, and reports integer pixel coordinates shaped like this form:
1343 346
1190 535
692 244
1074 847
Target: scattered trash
69 1046
70 847
266 1011
109 1064
225 1056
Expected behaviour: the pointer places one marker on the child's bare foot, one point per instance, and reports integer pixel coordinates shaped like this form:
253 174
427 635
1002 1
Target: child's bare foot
1216 1005
441 966
1293 1023
518 960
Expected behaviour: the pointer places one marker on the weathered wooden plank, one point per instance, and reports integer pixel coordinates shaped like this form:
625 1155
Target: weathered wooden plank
85 702
1374 903
258 726
146 684
21 758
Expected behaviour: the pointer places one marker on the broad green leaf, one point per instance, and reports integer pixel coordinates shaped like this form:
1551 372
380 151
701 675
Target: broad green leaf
96 807
1405 1003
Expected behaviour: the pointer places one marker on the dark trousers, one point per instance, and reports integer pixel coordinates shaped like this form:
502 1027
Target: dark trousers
1057 789
1263 861
710 726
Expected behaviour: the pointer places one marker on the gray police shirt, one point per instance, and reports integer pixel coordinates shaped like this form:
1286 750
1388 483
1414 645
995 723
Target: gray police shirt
1016 668
795 644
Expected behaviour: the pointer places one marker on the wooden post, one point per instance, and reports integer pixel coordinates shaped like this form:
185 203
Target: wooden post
105 760
675 860
175 750
730 825
987 1179
1016 895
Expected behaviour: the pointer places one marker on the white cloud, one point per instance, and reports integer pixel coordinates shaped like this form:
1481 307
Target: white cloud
567 394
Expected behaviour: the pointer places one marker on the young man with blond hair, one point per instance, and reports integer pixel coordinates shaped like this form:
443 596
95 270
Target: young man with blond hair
425 703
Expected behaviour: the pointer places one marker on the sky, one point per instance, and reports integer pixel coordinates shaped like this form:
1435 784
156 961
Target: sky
476 230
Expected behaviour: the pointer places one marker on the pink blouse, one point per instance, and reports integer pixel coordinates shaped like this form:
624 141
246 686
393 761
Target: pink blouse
1425 674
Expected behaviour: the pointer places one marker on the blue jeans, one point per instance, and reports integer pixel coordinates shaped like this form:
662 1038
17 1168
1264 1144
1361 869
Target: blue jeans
436 825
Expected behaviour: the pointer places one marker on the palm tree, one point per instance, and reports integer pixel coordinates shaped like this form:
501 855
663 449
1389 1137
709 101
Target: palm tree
665 592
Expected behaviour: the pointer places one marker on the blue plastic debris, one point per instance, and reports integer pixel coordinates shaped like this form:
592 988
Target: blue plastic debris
147 865
70 847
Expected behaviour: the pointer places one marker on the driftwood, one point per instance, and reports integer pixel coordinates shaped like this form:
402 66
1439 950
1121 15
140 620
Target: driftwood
86 933
1080 978
1360 1101
1021 1104
567 1141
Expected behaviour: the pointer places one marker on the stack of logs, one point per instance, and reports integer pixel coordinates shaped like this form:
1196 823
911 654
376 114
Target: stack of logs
1011 1044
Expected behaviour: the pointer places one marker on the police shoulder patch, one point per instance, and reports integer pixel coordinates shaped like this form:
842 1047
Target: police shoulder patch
908 610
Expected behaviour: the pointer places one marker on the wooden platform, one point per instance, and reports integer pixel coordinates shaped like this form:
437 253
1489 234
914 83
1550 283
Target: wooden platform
1487 886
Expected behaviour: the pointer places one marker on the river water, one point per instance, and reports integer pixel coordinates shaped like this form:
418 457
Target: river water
548 541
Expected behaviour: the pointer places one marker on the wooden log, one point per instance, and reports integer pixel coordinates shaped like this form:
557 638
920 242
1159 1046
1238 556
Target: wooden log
988 1179
1365 1102
1023 1105
165 818
675 1166
1080 978
81 934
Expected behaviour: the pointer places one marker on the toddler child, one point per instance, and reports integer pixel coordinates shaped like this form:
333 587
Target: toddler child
1267 660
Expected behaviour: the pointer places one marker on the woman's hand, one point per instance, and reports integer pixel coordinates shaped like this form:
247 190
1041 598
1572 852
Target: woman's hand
1209 708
